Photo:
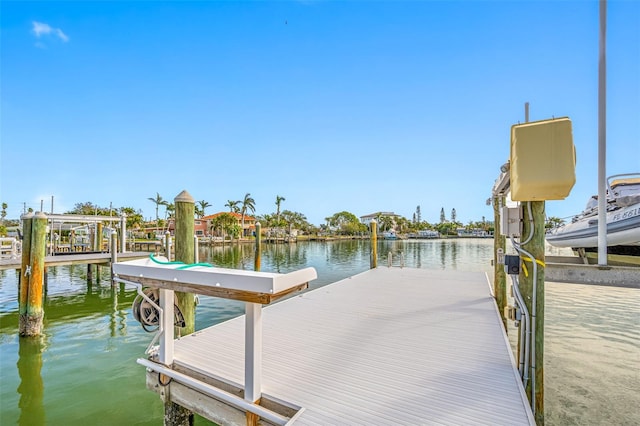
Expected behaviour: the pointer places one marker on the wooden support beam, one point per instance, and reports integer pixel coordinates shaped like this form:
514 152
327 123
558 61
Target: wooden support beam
499 247
533 292
32 314
374 244
174 414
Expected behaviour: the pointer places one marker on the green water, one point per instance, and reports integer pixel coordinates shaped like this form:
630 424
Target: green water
83 370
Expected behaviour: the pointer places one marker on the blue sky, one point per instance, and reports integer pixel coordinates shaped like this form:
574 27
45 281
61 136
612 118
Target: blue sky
360 106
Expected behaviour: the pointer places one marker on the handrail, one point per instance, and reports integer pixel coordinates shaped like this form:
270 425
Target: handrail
216 393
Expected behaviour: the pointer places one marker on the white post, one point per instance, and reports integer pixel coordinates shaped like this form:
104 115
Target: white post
196 247
123 233
165 354
114 247
167 245
602 138
253 352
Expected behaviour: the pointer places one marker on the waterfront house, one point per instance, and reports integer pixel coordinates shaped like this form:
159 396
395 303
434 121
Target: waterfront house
249 222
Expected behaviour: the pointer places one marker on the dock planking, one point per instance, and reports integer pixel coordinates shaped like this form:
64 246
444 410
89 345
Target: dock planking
387 346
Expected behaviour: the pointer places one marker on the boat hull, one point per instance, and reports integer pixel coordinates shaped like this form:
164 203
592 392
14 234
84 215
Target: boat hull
623 229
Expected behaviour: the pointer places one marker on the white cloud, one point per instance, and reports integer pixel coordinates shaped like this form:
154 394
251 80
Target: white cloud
41 29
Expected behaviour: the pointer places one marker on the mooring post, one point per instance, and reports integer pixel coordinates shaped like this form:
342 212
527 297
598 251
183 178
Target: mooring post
184 232
533 294
256 261
196 249
98 245
25 270
499 246
374 244
31 315
123 234
113 249
175 414
167 245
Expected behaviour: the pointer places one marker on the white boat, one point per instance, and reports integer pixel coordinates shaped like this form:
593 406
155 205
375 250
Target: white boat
623 219
389 235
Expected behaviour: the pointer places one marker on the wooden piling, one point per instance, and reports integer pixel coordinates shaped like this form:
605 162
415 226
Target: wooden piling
31 315
499 246
535 246
258 254
23 282
374 244
98 246
175 414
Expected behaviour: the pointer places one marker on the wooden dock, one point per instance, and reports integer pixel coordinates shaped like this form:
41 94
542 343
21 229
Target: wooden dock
75 259
388 346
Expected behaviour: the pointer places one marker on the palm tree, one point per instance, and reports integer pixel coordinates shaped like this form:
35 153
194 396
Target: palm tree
279 200
247 204
159 202
233 206
203 205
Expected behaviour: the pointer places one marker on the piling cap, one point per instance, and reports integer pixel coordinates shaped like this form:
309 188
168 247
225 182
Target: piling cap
184 197
27 216
39 215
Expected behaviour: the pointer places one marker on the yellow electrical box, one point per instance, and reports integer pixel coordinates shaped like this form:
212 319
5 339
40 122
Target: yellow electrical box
543 160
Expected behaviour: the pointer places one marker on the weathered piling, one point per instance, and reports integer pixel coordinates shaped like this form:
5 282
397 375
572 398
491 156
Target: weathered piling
175 414
374 244
533 294
31 297
98 240
499 276
23 282
258 254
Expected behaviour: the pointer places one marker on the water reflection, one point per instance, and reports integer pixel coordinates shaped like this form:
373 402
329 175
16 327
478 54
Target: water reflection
31 388
591 346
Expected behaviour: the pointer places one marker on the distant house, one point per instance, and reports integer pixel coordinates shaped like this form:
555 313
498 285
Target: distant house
249 222
366 219
200 227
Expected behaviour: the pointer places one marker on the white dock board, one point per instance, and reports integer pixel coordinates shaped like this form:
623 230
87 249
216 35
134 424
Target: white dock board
388 346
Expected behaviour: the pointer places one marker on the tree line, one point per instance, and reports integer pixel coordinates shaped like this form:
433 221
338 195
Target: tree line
340 223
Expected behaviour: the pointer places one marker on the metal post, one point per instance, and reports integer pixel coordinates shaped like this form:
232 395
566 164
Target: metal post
114 247
196 247
253 353
167 245
123 233
165 352
602 138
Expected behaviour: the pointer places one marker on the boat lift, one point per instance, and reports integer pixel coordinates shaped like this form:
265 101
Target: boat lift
253 288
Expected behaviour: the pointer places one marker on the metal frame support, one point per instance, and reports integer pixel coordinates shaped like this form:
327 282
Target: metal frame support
165 353
253 352
123 233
